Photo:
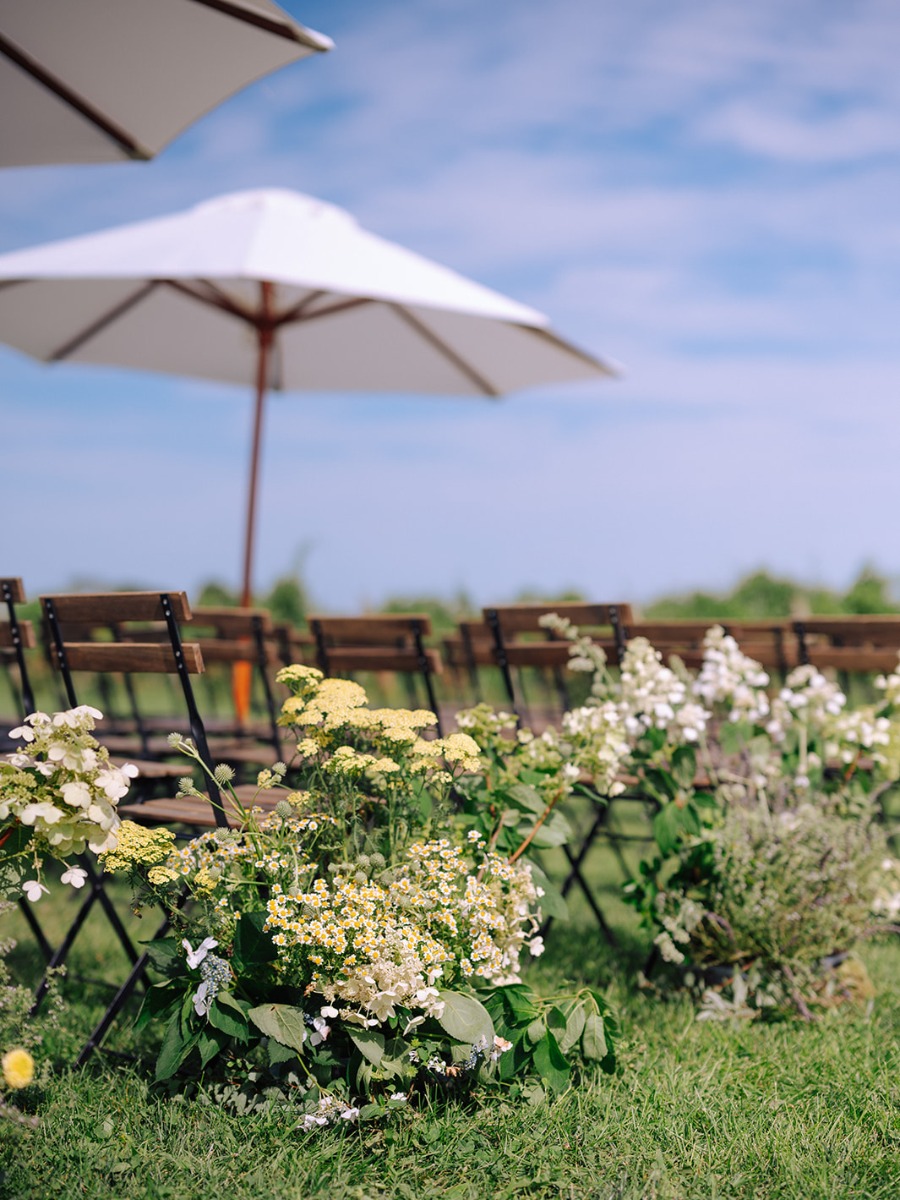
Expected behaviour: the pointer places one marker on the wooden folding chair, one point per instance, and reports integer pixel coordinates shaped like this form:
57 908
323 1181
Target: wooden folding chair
228 636
158 658
294 645
15 638
520 640
390 642
471 647
850 644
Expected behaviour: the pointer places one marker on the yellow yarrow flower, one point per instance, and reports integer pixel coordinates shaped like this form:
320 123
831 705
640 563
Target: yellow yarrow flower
159 875
18 1068
136 844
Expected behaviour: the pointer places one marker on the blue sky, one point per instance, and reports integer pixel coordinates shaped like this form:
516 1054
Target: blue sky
706 192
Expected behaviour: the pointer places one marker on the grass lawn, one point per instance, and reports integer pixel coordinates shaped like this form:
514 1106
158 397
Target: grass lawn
696 1109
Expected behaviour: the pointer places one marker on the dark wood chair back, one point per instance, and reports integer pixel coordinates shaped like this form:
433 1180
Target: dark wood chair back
392 642
521 640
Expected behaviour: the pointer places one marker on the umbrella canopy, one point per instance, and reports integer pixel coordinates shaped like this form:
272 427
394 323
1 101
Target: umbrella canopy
101 80
282 291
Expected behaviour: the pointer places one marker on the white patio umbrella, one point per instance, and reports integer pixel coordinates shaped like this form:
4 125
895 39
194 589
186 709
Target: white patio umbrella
281 290
101 80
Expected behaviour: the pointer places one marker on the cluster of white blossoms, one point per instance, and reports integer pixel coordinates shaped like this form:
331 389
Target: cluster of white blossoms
729 678
807 698
63 787
584 653
816 707
599 746
652 696
890 685
376 944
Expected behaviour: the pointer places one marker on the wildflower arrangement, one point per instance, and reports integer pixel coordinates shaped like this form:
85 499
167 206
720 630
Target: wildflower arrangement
58 798
769 857
359 939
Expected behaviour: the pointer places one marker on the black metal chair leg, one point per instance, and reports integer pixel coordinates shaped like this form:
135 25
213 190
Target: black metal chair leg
97 894
39 935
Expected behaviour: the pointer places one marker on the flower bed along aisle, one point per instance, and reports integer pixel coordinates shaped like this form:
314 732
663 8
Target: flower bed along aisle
362 944
771 859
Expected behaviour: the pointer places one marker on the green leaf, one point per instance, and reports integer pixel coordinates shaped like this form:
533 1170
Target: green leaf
662 781
556 1021
553 902
536 1030
228 1016
551 1064
690 819
667 827
575 1023
252 947
174 1050
466 1019
555 831
520 1002
370 1044
160 1001
282 1022
279 1054
166 957
705 800
593 1042
527 797
684 765
209 1046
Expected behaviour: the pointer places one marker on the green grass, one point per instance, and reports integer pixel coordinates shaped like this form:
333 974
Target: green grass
695 1110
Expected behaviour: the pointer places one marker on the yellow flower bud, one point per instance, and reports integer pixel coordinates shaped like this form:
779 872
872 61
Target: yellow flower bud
18 1068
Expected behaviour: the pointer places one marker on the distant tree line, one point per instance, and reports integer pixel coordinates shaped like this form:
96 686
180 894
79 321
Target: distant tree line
756 596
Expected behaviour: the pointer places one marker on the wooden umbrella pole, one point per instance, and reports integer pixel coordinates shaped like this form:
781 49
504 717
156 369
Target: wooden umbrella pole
264 334
242 673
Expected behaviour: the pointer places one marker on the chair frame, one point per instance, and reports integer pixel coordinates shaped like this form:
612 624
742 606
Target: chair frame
553 652
383 642
179 657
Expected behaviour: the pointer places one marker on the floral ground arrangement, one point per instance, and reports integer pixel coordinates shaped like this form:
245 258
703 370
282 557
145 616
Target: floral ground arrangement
773 857
354 999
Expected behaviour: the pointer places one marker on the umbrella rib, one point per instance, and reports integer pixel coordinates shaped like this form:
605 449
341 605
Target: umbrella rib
90 113
69 348
269 24
583 355
446 351
213 296
298 312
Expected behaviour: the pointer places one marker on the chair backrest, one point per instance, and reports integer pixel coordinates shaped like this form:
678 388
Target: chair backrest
384 642
117 610
241 635
15 638
521 640
294 645
770 643
862 644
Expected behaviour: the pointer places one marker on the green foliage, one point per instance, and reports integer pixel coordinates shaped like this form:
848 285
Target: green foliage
444 614
760 596
288 600
553 1038
869 594
215 594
